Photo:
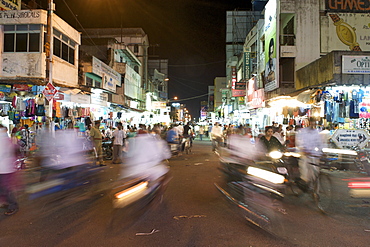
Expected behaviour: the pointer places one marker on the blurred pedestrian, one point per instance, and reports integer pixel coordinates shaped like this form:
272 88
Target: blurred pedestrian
201 132
7 173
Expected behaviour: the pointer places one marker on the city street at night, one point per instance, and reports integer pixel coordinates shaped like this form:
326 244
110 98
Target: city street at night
192 213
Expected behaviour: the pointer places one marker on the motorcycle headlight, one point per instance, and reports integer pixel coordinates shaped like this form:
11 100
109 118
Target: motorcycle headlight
276 154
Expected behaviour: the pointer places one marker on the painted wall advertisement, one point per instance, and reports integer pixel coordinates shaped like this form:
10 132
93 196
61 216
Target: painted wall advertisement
346 31
110 77
10 4
271 58
355 64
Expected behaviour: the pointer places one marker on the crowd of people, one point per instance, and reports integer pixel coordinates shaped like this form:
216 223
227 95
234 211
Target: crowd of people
131 140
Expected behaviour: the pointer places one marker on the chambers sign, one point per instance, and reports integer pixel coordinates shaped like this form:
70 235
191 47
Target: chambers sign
348 5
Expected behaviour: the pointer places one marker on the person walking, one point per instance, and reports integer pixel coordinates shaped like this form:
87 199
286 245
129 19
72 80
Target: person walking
201 132
7 173
96 137
118 141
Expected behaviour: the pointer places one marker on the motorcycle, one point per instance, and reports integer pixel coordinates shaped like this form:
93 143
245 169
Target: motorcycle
132 197
107 146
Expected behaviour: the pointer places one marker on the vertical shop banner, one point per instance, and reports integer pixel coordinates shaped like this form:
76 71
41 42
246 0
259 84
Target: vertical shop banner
110 77
233 77
247 65
10 4
271 45
132 83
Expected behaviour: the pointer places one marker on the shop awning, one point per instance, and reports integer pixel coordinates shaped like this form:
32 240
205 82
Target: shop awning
306 96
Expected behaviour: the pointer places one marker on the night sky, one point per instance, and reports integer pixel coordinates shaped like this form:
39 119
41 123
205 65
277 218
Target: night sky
190 33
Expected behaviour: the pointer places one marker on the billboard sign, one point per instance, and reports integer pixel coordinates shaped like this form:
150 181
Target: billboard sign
271 58
355 65
362 6
346 31
110 77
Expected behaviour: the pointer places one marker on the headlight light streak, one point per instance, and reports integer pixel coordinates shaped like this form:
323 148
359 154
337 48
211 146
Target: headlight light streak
276 154
132 190
339 151
266 175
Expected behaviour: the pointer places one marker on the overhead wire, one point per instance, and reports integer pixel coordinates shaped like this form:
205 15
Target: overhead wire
83 29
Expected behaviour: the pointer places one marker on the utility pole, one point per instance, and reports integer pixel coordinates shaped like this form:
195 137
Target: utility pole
49 51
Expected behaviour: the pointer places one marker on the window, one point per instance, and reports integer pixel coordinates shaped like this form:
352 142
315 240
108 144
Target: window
22 38
63 47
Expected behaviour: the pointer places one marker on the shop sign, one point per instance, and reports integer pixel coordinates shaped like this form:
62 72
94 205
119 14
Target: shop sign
257 98
99 99
159 105
81 98
347 5
22 87
355 64
238 93
5 88
350 138
110 77
49 91
247 65
272 85
241 85
10 4
2 95
59 96
233 77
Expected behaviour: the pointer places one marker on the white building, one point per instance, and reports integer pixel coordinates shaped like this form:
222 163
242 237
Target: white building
22 35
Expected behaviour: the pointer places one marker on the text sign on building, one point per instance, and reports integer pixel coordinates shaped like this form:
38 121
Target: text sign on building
350 138
110 77
233 77
10 4
159 105
348 5
247 65
355 65
49 91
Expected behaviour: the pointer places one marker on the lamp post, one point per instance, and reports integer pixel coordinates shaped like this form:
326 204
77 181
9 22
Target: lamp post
49 51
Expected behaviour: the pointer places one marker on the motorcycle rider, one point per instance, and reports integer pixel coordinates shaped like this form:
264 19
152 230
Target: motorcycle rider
270 142
309 142
217 136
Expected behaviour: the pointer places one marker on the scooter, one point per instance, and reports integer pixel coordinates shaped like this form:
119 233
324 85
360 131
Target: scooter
140 191
107 145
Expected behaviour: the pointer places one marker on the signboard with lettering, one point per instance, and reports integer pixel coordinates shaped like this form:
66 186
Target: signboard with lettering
348 5
355 65
110 77
10 4
49 91
350 138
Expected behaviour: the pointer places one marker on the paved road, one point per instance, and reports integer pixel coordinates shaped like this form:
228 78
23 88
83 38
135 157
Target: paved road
192 213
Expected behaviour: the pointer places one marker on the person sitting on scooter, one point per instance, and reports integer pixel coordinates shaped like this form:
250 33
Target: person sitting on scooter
270 142
172 136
